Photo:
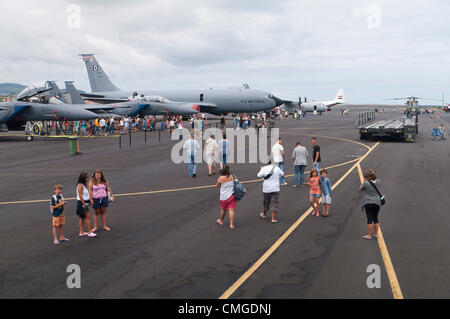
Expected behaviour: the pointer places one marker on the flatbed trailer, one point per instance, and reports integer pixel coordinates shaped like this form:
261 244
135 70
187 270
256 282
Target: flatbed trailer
405 128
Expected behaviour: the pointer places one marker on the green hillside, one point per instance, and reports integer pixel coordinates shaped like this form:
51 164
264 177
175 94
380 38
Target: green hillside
10 88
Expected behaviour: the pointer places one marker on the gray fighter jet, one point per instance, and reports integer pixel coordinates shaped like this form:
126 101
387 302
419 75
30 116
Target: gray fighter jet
142 105
214 101
14 114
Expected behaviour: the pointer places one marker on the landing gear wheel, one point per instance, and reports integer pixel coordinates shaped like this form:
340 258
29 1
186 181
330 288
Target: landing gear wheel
29 138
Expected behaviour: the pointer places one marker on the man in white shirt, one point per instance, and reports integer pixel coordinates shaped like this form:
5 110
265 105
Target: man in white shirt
102 126
190 149
211 148
271 189
278 158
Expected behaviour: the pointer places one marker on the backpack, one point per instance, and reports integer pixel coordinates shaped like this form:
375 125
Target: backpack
54 197
239 190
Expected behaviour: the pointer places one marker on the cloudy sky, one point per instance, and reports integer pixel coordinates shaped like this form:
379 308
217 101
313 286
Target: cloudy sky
373 49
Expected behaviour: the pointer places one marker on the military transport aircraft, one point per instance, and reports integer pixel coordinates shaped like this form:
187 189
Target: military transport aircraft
214 101
314 106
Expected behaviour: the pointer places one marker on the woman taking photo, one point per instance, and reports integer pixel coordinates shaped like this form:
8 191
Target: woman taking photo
83 206
227 201
371 202
98 193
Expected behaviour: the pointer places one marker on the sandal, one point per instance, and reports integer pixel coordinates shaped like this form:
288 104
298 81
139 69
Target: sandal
274 221
231 227
367 237
262 216
220 222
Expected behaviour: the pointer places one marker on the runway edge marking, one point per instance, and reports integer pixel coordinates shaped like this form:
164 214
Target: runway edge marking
291 229
393 281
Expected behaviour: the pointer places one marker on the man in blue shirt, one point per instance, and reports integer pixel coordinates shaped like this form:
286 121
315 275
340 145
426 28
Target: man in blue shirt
190 149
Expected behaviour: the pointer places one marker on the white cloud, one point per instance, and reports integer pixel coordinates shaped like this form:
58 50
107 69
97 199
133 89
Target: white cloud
293 47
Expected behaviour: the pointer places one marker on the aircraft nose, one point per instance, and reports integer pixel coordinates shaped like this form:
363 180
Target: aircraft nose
78 114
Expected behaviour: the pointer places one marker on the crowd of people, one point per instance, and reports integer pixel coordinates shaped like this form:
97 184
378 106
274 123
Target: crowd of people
94 190
320 187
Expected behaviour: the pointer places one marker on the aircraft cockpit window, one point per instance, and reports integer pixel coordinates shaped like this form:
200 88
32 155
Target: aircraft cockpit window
34 89
155 99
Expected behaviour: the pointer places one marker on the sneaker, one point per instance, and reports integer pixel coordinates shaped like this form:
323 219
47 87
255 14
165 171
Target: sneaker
92 235
63 240
284 183
194 175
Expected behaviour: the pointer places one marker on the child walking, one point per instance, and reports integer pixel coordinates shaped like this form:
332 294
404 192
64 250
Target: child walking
314 191
58 220
327 191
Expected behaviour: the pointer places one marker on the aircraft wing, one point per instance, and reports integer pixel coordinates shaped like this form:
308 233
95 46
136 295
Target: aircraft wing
101 98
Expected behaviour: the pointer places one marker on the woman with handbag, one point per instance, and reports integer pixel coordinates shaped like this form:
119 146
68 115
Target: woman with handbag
227 200
371 202
100 194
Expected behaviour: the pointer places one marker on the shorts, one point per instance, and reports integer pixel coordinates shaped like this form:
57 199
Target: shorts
58 221
315 195
80 209
326 199
210 158
230 203
271 202
100 202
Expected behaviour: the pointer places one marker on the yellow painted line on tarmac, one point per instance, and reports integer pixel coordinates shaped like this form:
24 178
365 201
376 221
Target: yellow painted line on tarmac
192 188
165 190
395 286
332 137
291 229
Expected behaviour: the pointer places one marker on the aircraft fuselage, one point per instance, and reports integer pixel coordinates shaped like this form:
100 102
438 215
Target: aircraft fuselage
218 101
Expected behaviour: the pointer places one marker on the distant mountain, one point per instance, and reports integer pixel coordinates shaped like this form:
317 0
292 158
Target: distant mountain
10 88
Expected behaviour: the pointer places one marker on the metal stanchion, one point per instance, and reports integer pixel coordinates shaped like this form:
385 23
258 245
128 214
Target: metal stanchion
120 142
159 135
145 136
129 133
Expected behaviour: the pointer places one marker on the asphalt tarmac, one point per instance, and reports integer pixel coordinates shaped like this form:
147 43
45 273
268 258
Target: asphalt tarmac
165 243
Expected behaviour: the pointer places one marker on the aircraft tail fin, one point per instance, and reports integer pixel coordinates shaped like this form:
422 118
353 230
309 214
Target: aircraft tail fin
75 96
97 77
340 97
